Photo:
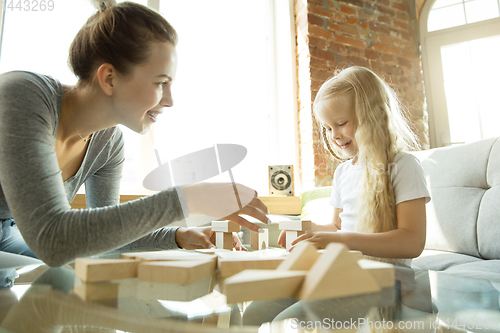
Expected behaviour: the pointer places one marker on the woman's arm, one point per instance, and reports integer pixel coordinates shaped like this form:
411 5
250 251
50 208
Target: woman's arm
32 185
407 241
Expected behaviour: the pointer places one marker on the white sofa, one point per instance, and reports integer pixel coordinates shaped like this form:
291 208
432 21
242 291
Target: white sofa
463 217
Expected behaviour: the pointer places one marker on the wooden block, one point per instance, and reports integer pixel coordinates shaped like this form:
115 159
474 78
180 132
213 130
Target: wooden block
259 240
95 270
224 240
302 258
128 255
382 273
168 255
211 251
230 266
225 226
182 272
154 291
295 225
283 205
271 253
252 285
97 291
336 274
291 235
210 321
357 255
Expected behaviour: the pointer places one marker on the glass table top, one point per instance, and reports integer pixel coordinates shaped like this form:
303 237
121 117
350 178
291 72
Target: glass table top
47 299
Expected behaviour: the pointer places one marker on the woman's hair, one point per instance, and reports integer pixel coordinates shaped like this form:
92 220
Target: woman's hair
118 34
382 132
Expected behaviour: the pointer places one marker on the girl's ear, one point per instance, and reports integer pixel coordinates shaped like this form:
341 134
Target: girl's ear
106 76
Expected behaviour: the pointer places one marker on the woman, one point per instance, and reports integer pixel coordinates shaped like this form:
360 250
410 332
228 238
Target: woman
54 138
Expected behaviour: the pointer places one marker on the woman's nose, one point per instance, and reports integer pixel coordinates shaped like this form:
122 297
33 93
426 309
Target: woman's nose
166 99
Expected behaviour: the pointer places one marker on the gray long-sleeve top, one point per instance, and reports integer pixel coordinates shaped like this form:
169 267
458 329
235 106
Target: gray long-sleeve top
32 190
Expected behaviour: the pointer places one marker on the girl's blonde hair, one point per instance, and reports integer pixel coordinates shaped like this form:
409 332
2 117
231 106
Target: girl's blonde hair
382 132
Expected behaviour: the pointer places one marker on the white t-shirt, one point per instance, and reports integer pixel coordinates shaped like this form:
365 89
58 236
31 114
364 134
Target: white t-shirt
408 181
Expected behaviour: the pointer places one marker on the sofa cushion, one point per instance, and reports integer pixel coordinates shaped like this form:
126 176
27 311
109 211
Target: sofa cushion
483 269
464 185
458 264
316 206
452 219
488 225
441 260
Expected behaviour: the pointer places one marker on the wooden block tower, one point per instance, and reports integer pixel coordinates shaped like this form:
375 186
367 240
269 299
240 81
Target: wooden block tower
224 233
293 230
259 240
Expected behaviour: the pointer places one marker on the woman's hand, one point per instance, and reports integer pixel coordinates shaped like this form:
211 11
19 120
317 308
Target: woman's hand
201 238
319 239
219 201
194 238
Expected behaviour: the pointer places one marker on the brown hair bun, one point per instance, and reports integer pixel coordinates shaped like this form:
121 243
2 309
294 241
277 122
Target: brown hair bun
119 34
103 4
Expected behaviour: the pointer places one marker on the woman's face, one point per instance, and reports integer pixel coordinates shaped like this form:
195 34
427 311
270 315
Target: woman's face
144 94
338 118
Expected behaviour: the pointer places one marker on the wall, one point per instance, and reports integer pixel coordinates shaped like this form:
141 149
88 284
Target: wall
380 35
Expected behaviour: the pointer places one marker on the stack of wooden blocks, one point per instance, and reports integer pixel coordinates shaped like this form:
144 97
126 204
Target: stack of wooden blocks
305 273
224 236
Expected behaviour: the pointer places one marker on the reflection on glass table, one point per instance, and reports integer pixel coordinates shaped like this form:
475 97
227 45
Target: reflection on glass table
54 300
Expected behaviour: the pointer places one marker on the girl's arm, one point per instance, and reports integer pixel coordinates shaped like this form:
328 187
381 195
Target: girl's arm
334 226
407 241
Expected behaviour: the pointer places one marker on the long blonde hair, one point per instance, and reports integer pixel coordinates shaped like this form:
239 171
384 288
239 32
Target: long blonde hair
382 132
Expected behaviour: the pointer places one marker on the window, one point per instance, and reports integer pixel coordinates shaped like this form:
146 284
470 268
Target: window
234 80
452 13
460 65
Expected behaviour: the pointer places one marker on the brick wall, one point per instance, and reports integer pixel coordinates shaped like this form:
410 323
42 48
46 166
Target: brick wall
331 34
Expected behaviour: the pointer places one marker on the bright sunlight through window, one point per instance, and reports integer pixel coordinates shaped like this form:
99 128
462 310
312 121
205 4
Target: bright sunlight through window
452 13
470 71
225 90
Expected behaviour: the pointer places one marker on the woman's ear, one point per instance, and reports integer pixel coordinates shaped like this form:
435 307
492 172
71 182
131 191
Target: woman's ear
106 76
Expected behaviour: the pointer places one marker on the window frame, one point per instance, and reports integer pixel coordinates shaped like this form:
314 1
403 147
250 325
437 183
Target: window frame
431 43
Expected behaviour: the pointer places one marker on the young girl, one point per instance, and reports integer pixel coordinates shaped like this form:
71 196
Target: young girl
379 191
54 138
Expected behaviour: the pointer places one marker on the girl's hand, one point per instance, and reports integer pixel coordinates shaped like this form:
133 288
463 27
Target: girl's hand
219 201
282 238
238 246
319 239
194 238
315 227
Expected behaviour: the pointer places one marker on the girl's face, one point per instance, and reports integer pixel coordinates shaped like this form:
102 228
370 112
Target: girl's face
144 94
338 117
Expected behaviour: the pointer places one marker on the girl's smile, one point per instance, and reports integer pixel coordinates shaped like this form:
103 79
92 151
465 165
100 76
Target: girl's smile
346 145
337 117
